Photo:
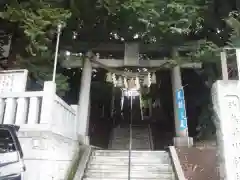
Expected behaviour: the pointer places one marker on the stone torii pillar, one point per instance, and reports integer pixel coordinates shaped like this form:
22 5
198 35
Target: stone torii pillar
83 110
181 128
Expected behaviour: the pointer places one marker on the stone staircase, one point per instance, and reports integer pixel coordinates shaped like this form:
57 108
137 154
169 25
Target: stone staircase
113 165
141 138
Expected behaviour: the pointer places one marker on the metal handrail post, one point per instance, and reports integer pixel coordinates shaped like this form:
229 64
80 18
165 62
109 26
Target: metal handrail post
130 139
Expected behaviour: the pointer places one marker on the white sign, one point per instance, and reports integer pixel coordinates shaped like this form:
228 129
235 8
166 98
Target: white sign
226 101
13 80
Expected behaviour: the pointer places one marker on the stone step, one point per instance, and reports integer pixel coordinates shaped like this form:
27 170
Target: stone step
113 165
136 162
138 144
140 138
105 167
144 157
120 135
119 147
133 172
127 139
120 178
114 152
137 174
133 154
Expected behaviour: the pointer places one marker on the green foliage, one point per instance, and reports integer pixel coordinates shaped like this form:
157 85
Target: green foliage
210 52
206 127
206 51
41 67
170 22
3 41
35 23
150 20
234 23
36 19
169 15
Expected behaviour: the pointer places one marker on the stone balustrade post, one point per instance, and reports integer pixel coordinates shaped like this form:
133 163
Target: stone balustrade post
10 110
48 102
2 106
22 111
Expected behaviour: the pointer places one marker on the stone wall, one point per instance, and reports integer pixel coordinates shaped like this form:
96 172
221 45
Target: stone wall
46 155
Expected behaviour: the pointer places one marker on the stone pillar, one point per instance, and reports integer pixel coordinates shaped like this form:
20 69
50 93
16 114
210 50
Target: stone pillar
226 104
49 90
181 138
224 65
238 61
84 102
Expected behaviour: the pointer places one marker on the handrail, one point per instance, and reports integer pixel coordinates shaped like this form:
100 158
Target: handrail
21 94
95 147
64 104
150 137
130 140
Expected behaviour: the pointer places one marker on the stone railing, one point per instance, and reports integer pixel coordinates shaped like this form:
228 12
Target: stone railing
38 110
21 108
64 118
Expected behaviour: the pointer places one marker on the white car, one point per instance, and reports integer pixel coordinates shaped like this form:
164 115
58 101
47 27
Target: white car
11 155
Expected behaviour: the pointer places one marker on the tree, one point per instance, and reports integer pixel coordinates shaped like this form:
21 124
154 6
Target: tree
231 33
33 26
33 30
144 20
170 22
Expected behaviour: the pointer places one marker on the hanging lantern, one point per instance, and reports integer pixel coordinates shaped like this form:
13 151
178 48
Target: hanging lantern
114 80
159 84
154 79
122 101
125 82
109 77
145 81
120 82
137 82
131 84
149 79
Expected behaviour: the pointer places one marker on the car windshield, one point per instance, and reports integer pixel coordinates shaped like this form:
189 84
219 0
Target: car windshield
6 141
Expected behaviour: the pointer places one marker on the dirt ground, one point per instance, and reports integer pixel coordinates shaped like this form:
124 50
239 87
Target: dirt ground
199 163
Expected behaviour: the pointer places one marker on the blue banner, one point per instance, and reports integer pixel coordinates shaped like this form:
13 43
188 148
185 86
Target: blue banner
181 111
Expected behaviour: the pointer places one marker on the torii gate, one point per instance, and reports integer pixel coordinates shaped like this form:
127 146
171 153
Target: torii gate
131 59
